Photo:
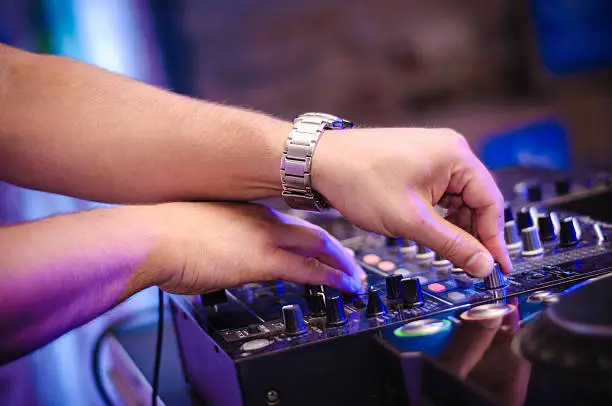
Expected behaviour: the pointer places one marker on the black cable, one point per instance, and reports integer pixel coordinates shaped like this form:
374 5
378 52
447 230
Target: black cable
96 362
158 347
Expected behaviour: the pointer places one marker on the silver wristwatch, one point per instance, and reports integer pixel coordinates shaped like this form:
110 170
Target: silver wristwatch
296 161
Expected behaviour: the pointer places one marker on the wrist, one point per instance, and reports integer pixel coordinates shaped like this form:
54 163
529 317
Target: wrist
150 241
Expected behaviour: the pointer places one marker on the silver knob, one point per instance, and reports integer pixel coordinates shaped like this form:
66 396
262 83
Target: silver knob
495 279
440 262
511 235
424 253
531 242
599 233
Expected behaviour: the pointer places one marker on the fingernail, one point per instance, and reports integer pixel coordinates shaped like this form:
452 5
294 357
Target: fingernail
356 285
480 265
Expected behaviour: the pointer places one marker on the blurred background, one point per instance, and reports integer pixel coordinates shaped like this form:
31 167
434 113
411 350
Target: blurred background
527 82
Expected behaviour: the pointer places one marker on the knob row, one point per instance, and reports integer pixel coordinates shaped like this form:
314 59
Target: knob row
548 228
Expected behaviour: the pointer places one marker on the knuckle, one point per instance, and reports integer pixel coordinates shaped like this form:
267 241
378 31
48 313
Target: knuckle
312 266
453 135
333 278
452 247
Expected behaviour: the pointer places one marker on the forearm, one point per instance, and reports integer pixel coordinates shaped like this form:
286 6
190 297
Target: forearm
61 272
74 129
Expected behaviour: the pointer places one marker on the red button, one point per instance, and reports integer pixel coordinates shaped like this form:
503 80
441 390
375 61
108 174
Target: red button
436 287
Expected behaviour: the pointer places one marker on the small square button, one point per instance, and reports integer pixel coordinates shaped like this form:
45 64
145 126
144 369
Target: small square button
456 297
436 287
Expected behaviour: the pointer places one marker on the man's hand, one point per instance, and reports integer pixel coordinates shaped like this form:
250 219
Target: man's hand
208 246
389 180
81 265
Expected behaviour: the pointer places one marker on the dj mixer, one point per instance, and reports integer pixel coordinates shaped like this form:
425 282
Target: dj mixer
424 332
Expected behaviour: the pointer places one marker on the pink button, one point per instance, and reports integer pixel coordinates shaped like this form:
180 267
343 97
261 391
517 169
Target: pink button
371 259
436 287
386 266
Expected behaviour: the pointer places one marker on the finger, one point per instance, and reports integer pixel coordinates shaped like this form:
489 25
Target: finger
297 268
462 217
481 194
450 241
312 241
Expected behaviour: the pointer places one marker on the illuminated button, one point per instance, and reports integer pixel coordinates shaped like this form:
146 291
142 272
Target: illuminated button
420 328
543 296
386 266
436 287
456 296
255 344
371 259
488 311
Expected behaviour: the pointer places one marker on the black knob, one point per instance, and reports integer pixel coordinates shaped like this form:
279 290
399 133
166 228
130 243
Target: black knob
394 242
311 290
294 320
411 292
546 226
335 311
424 253
316 304
524 219
439 261
531 242
253 329
394 287
563 186
508 215
375 305
495 279
511 235
534 193
569 233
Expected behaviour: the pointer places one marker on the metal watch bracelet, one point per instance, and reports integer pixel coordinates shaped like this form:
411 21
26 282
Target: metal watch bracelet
297 159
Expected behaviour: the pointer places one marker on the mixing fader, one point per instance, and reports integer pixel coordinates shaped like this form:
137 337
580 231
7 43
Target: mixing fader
274 343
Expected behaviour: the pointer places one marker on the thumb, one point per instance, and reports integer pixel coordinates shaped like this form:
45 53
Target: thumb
453 243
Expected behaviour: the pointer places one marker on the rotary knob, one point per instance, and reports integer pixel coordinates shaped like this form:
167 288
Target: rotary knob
599 234
311 290
335 311
394 244
563 186
511 235
412 294
294 320
524 218
375 305
316 304
409 247
495 279
440 262
546 227
424 253
531 242
394 287
570 232
508 215
534 193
